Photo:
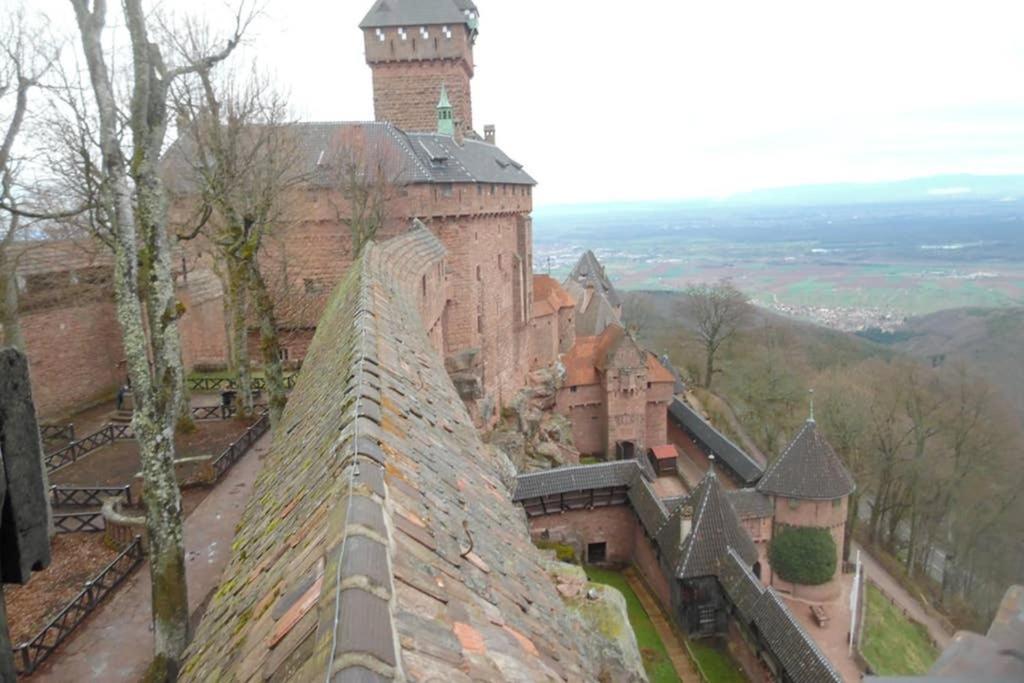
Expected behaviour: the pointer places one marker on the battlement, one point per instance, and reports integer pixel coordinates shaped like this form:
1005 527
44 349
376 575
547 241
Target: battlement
420 43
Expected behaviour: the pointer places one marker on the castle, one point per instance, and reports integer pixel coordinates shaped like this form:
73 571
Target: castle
385 540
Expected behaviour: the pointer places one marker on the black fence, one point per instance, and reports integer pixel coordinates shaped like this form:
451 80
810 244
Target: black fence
88 496
79 449
57 432
28 656
226 383
78 522
221 412
235 451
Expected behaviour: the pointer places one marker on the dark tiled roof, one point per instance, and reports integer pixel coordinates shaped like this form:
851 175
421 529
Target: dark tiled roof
808 469
648 508
379 534
407 158
596 298
680 386
750 504
745 467
575 478
715 528
795 650
419 13
743 588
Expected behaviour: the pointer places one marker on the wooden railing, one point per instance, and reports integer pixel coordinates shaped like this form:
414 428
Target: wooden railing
226 383
88 496
221 412
235 451
28 656
78 522
57 432
78 449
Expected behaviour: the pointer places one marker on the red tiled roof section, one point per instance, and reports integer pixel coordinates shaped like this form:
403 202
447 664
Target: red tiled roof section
665 452
548 296
656 372
579 363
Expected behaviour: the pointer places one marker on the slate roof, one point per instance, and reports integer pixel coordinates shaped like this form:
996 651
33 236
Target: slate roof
575 478
386 13
745 467
743 588
590 356
715 528
680 386
665 452
750 503
379 542
648 508
597 302
408 158
795 650
808 469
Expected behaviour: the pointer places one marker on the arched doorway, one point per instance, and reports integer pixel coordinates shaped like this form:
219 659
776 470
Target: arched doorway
757 569
625 450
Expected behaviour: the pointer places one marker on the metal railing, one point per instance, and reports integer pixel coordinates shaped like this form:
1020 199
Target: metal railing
235 451
57 432
28 656
78 522
226 383
88 496
78 449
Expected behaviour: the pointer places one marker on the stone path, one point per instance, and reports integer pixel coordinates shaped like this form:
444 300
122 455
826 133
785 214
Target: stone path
676 652
116 644
903 598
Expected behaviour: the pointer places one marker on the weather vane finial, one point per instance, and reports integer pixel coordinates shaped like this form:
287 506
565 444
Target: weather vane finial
811 392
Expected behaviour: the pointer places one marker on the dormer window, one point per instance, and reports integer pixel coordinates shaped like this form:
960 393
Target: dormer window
380 35
402 34
447 32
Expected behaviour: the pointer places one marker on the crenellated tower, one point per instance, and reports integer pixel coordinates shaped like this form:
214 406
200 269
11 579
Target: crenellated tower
413 48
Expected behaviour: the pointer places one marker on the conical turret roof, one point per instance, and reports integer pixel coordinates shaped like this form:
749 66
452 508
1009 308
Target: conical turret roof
808 469
714 530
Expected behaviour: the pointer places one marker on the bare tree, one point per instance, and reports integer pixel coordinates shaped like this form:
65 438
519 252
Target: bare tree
244 163
26 55
718 311
134 204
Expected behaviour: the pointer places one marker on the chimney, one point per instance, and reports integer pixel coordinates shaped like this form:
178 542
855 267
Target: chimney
489 133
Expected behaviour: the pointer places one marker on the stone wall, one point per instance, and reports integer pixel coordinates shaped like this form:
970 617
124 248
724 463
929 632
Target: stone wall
543 340
75 354
203 333
616 526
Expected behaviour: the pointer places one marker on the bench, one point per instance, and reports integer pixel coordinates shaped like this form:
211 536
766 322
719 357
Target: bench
820 615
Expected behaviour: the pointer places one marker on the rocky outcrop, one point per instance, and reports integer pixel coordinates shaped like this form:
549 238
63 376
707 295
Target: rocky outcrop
603 609
530 433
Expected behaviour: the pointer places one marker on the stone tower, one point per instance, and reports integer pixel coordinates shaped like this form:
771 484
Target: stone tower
414 47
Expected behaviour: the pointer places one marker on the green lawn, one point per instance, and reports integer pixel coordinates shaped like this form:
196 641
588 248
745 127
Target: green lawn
893 644
656 661
716 665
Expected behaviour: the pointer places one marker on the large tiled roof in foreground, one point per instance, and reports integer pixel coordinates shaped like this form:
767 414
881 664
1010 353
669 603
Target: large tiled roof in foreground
379 543
798 653
807 469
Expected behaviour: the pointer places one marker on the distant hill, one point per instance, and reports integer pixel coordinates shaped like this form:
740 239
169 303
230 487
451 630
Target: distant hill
931 188
991 340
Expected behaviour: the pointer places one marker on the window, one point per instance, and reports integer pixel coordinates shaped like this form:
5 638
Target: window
597 552
312 286
573 389
479 324
446 189
479 278
282 354
424 282
499 261
794 504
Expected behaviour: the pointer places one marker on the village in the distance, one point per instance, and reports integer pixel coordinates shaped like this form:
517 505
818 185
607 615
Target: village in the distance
300 400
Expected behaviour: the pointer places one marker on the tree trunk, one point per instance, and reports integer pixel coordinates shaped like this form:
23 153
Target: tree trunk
9 319
270 344
156 391
851 523
238 286
709 368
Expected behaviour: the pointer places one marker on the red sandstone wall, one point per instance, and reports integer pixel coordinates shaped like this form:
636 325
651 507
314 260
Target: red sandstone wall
821 514
543 341
566 329
203 335
407 75
646 561
615 526
73 356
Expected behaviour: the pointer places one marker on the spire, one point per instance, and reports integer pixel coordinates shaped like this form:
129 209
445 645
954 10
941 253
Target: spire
445 117
811 418
711 459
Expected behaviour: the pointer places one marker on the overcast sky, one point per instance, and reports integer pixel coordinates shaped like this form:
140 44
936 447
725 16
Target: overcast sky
607 100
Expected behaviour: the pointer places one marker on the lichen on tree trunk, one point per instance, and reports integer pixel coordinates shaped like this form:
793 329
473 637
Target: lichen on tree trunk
238 296
270 344
12 333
